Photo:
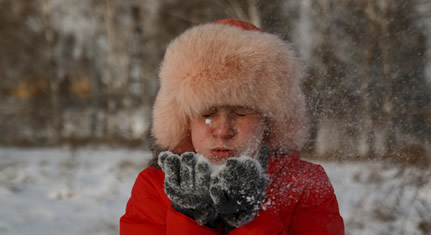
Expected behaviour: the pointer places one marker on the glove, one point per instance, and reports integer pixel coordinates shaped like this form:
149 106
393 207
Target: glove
187 183
238 189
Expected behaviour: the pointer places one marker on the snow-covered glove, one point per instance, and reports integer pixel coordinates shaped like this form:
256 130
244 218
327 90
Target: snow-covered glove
238 189
187 183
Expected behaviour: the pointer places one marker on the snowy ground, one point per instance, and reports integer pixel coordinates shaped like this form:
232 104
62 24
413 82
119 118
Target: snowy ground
59 191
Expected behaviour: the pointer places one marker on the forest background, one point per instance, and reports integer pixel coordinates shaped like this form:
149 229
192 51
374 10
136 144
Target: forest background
78 80
84 72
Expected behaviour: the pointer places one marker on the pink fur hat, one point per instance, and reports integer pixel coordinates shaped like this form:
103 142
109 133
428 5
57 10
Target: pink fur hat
230 62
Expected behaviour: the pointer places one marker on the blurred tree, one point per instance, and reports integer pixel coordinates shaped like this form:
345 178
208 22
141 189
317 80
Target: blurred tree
88 69
374 46
53 60
23 74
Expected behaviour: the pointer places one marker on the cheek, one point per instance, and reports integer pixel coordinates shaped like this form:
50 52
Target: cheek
198 134
251 129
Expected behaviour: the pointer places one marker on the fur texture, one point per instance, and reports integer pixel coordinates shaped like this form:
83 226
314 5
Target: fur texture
216 64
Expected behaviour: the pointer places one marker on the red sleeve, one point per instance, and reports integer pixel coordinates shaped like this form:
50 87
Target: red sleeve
149 210
317 212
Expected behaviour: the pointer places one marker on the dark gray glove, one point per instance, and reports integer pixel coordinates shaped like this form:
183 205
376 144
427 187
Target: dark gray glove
238 189
187 183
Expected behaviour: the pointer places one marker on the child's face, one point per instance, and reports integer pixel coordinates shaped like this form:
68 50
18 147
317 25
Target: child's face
227 131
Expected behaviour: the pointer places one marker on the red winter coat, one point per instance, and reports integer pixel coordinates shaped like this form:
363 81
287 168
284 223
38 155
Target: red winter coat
300 200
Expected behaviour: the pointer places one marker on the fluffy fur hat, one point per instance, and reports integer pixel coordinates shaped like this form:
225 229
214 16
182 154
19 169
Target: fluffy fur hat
229 62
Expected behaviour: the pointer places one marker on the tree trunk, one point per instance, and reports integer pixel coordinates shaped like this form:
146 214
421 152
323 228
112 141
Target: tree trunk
387 79
53 81
366 136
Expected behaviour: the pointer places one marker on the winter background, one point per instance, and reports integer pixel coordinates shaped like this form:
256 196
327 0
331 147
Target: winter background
78 79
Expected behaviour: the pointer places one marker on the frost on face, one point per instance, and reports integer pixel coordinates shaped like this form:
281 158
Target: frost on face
208 121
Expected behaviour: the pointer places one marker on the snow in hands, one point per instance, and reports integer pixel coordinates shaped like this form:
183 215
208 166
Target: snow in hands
233 192
187 180
238 190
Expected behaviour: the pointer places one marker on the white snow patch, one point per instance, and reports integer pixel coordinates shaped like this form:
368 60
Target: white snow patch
59 191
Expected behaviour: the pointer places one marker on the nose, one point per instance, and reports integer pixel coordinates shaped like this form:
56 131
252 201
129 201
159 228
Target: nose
222 127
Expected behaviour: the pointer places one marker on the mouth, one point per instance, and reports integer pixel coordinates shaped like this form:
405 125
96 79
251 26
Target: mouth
222 152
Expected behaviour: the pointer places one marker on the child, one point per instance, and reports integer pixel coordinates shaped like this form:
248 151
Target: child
230 119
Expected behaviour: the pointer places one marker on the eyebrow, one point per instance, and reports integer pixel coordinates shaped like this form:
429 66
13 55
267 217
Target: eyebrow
240 107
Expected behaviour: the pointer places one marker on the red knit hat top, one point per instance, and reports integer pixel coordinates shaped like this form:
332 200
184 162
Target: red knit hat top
238 23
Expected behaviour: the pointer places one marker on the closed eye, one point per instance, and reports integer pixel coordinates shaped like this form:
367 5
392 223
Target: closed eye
241 111
209 113
240 114
206 115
